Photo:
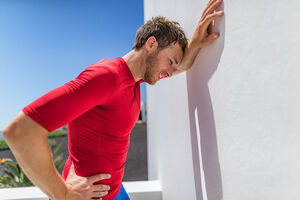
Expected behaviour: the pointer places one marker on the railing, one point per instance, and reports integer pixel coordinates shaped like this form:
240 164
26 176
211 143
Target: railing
137 190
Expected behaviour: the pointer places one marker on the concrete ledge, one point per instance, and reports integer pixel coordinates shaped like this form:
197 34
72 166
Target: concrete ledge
22 193
145 190
137 190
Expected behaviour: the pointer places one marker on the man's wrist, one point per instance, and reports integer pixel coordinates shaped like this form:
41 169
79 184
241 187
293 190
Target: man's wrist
190 53
193 46
61 192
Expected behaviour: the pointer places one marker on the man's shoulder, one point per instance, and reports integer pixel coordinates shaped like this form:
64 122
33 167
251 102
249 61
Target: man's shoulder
112 65
103 67
106 69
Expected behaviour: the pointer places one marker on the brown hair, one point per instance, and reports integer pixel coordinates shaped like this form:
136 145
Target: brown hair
165 32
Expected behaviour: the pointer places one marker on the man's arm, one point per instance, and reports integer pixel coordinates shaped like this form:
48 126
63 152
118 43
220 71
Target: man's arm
190 54
29 144
201 37
26 135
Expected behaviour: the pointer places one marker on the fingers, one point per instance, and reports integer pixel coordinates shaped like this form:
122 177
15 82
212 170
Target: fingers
72 172
211 17
98 177
98 195
212 8
207 6
100 188
72 167
210 39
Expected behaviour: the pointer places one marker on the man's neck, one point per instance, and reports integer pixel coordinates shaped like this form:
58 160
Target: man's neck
136 64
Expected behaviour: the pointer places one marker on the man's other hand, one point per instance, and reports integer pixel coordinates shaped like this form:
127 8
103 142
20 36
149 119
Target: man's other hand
82 188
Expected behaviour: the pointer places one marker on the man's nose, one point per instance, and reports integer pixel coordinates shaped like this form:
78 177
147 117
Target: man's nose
170 71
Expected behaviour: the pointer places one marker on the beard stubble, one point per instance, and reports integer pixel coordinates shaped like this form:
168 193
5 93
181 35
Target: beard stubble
151 63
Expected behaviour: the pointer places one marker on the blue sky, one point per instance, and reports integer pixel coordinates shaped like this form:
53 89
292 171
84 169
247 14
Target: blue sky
44 44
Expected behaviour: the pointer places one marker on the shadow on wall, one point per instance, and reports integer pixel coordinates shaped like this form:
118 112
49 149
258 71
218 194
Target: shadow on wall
207 171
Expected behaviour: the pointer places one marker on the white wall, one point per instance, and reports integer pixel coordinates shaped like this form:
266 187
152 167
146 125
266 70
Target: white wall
229 127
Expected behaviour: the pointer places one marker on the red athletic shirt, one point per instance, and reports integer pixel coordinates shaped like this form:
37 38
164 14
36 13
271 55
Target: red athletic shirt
100 106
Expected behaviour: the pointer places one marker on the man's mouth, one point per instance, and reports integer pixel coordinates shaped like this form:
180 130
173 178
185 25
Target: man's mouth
161 75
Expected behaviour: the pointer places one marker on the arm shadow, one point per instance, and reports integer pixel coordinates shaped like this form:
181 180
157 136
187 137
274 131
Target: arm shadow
206 166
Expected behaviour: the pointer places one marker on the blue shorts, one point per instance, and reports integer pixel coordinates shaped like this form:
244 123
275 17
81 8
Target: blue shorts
122 194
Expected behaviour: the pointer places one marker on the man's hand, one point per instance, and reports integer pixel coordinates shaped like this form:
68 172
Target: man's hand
82 188
202 36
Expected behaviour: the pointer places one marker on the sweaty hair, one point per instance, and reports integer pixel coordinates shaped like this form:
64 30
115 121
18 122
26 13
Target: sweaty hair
165 32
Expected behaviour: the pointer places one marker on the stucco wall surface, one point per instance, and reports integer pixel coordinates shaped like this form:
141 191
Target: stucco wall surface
229 127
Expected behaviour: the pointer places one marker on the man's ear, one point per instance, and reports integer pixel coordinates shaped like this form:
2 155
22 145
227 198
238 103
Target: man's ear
151 44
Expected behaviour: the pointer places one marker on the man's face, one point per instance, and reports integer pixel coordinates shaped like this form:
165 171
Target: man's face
162 63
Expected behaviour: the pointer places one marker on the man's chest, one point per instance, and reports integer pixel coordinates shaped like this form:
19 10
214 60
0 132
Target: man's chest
121 113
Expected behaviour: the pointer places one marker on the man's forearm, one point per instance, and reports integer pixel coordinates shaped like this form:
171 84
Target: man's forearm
190 52
33 154
202 37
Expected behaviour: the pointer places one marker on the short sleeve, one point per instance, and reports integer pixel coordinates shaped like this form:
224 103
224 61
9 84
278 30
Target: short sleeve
93 86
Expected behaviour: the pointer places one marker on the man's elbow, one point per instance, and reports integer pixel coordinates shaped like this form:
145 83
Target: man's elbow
5 134
11 129
21 126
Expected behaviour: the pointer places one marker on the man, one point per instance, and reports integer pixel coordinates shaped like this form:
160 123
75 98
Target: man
101 106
